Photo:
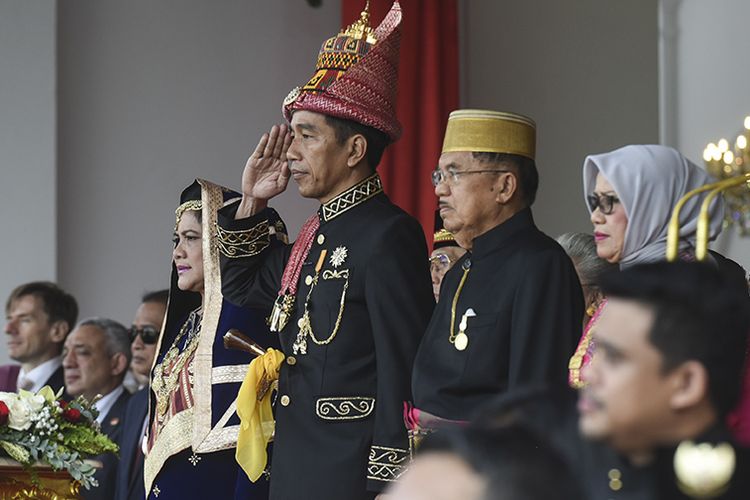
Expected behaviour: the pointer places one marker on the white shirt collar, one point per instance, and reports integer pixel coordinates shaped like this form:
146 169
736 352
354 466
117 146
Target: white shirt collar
41 374
106 402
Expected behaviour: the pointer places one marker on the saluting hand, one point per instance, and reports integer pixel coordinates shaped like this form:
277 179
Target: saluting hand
266 172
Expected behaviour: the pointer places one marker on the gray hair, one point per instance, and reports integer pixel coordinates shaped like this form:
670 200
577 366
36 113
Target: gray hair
581 248
117 337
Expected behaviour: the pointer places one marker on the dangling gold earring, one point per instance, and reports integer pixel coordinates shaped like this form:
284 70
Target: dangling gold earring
591 309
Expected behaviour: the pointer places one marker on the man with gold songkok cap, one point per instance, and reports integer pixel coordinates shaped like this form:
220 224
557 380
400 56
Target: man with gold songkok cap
510 309
350 299
445 253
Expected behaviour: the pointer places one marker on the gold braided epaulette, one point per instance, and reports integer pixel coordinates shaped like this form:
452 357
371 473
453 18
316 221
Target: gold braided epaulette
245 243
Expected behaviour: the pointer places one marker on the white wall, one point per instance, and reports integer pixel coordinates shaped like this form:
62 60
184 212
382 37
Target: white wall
585 70
27 144
710 83
152 95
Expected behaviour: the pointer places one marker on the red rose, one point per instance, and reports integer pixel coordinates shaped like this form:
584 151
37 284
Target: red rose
72 415
62 403
4 412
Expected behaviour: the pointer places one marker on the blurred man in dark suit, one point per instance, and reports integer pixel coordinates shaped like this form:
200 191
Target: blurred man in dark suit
39 316
95 359
144 334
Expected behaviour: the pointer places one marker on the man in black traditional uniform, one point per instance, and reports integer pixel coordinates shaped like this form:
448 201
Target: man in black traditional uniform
510 308
667 371
351 298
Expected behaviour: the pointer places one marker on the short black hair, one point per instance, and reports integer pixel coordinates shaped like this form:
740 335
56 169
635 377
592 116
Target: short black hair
160 296
528 177
58 304
377 141
700 314
510 459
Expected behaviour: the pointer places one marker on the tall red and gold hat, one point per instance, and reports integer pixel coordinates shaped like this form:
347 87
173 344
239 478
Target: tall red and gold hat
356 75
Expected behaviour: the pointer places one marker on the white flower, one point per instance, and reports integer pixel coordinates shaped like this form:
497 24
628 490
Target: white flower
35 402
20 412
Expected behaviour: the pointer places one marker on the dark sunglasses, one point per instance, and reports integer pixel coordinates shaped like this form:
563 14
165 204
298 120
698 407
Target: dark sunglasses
149 334
604 202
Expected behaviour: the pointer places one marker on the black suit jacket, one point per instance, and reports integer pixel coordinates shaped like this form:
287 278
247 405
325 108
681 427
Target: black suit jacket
130 469
56 381
112 426
9 379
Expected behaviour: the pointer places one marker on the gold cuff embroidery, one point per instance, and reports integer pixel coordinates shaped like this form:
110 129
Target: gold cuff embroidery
386 464
352 197
344 408
245 243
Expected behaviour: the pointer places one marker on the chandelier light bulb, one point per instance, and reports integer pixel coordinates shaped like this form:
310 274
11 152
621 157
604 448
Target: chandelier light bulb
747 122
741 141
728 157
723 145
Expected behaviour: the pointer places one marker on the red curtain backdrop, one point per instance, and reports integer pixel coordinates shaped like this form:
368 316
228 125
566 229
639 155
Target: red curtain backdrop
427 93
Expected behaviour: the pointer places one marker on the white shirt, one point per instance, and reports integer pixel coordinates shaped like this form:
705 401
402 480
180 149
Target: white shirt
39 375
106 402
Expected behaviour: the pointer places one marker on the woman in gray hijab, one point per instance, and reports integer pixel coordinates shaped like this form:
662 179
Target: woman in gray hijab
630 193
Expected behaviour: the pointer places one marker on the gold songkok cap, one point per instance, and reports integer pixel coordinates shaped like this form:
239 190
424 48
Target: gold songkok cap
483 131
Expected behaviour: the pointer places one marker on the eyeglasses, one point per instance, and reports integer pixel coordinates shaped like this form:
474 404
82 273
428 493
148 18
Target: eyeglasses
148 334
604 202
440 263
452 175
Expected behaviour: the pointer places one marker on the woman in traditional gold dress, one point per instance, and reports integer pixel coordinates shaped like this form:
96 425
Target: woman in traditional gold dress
193 425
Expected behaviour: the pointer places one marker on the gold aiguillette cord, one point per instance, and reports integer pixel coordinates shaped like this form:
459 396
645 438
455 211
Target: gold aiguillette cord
466 267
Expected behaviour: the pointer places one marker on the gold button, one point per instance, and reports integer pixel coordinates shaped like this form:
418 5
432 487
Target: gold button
291 360
308 280
615 479
321 239
285 400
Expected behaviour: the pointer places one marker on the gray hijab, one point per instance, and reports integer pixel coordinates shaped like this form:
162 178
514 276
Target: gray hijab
649 180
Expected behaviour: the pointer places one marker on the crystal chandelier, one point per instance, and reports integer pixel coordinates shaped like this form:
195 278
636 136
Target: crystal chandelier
723 163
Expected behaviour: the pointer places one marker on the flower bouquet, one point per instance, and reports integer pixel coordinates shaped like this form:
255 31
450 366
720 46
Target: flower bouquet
42 428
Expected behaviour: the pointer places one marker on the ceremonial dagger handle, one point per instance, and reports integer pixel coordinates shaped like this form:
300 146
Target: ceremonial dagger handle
235 339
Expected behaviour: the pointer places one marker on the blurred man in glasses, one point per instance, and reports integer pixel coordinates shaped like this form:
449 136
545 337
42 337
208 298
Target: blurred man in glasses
445 253
144 334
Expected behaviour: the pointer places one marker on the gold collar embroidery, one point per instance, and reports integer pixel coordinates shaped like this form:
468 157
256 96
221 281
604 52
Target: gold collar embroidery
352 197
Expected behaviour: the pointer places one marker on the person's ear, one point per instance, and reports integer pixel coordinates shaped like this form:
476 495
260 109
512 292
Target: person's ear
59 331
357 150
119 363
505 187
690 385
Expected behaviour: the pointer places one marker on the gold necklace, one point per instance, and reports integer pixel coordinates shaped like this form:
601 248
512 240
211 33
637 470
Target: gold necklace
167 372
461 340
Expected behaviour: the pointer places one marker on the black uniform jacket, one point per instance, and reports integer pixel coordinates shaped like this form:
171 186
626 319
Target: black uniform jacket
130 466
112 426
339 413
523 306
609 476
601 471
